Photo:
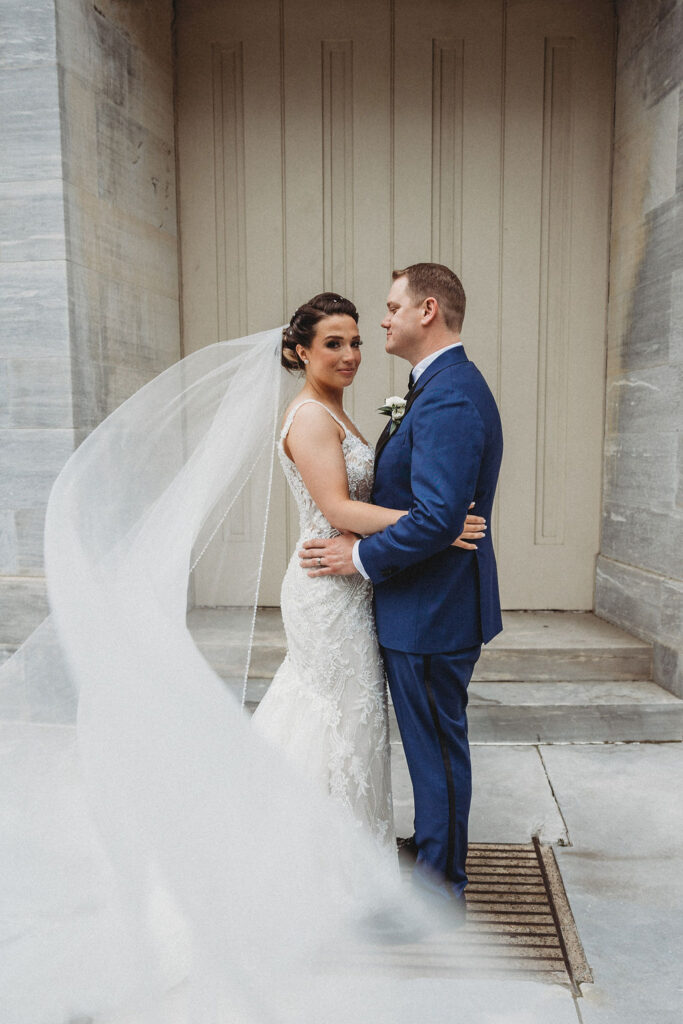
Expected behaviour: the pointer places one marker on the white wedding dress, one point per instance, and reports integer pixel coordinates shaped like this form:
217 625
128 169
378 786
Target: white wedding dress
326 707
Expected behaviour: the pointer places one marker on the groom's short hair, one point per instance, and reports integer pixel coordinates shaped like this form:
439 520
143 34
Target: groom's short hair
425 279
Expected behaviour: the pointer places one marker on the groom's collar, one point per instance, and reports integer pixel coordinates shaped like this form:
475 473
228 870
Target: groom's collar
420 367
439 361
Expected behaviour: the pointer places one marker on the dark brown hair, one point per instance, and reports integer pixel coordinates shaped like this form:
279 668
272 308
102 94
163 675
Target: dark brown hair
425 279
306 318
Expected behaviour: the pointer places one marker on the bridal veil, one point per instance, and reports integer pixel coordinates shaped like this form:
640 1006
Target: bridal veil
157 859
159 864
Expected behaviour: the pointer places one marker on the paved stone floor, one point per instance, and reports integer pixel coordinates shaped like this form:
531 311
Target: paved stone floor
616 813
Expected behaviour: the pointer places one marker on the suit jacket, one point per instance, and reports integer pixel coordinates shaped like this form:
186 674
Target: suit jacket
431 597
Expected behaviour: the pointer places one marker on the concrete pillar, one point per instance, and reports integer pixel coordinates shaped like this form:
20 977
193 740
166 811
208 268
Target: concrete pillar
640 569
88 249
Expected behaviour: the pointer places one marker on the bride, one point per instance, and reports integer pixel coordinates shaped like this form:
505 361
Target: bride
327 705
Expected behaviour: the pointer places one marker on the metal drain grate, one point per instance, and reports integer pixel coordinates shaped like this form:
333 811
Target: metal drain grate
519 923
518 917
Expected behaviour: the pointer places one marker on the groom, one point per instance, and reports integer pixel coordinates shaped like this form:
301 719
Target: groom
434 604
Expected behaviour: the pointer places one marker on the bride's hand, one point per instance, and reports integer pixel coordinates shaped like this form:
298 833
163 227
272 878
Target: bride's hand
474 529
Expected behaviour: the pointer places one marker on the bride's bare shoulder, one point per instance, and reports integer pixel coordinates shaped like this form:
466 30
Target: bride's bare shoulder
307 417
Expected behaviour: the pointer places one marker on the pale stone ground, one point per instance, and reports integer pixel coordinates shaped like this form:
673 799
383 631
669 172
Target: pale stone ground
618 809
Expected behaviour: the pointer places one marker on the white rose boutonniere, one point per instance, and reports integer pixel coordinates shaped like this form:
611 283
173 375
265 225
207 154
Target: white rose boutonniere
394 406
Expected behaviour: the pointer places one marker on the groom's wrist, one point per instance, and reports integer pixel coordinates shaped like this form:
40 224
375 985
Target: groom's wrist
355 557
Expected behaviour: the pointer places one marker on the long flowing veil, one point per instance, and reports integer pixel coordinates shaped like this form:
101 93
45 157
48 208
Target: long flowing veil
153 845
159 864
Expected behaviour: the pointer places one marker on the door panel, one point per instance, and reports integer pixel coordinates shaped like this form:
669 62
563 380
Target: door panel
558 104
322 145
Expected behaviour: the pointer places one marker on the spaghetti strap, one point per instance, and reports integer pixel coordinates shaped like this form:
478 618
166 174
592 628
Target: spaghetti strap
312 401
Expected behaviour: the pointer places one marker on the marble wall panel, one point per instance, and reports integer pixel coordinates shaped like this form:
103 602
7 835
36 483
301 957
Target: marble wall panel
665 230
645 161
630 87
21 542
29 462
149 24
32 221
628 596
132 251
651 67
33 299
87 389
29 525
665 67
79 129
28 33
92 47
4 393
661 184
23 606
8 543
628 247
672 612
40 392
30 124
676 331
645 331
120 382
139 327
643 537
151 101
641 469
111 241
136 169
111 48
644 401
668 664
637 20
115 324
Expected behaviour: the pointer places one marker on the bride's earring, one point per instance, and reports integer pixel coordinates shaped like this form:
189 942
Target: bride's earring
305 362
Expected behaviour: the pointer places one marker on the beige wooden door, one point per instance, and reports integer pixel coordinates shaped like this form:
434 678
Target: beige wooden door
321 145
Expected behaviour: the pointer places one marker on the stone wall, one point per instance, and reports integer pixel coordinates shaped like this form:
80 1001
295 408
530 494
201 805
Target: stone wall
36 418
88 248
640 569
119 185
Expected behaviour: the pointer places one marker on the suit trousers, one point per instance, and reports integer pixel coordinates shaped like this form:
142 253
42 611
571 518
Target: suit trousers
429 693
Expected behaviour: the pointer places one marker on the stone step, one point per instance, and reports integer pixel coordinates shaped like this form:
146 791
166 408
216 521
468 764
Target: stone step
552 712
564 711
533 647
550 677
545 646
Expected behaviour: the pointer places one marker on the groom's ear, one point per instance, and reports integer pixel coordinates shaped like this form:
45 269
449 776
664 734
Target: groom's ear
430 310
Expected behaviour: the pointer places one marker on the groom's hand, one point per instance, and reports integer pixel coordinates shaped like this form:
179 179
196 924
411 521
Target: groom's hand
329 556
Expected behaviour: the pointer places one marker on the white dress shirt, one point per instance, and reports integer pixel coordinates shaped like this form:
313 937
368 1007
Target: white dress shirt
416 373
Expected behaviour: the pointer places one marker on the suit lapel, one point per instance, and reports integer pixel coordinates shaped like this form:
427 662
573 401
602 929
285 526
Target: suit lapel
454 355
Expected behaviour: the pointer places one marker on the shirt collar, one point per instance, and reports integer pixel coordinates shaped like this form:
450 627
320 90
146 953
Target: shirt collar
420 367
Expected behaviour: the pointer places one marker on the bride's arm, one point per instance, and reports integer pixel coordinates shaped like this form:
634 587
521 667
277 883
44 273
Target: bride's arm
314 444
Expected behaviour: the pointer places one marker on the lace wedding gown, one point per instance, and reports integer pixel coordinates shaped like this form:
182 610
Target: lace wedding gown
326 707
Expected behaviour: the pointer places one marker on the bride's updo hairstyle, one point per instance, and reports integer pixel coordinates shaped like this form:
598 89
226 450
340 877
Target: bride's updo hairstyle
302 326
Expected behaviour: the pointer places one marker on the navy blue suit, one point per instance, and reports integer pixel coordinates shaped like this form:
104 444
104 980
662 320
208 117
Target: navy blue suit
435 604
